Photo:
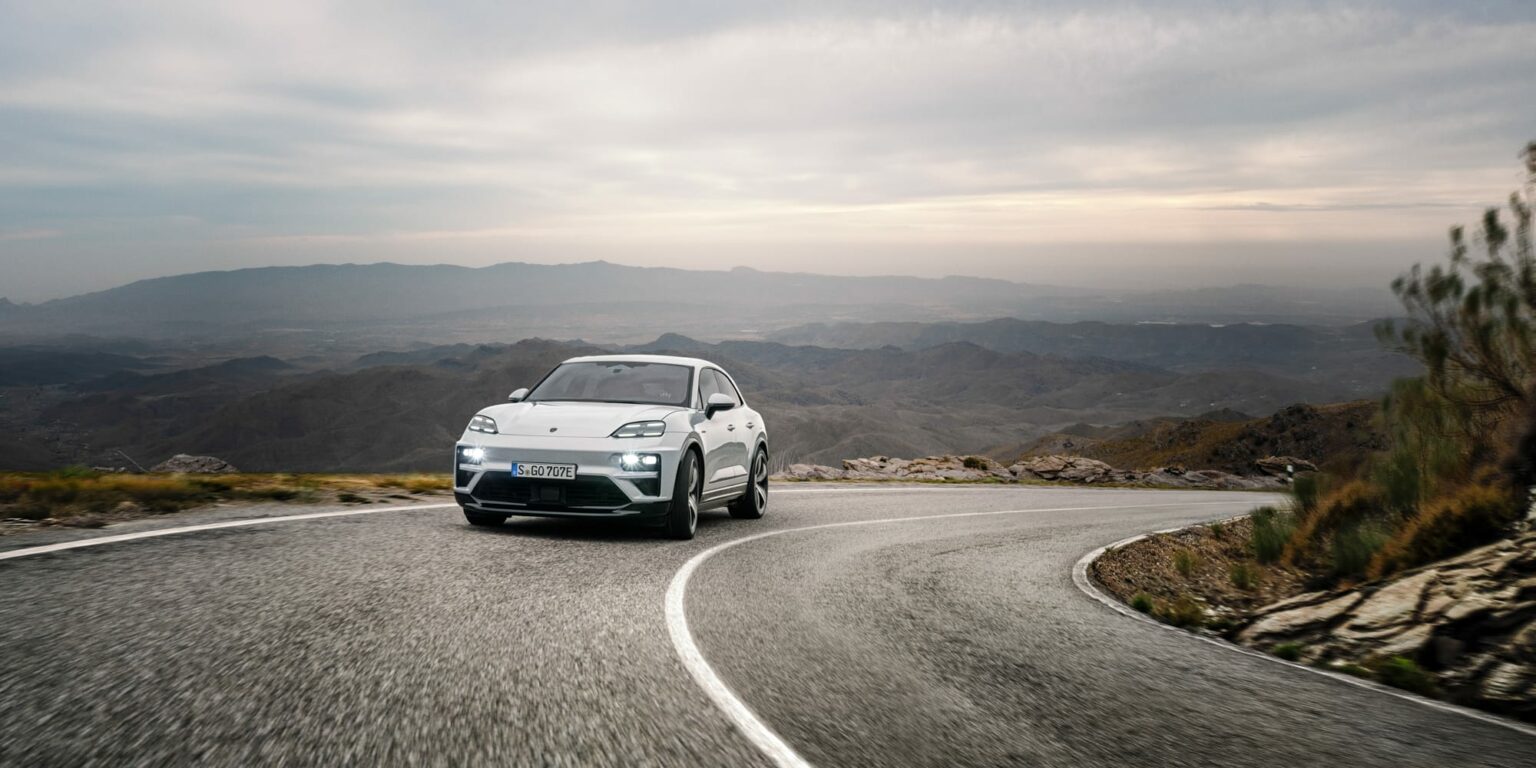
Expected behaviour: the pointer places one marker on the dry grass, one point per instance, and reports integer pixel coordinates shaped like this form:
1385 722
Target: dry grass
1166 570
76 496
1464 519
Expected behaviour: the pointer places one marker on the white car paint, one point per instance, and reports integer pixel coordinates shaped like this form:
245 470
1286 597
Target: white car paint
554 430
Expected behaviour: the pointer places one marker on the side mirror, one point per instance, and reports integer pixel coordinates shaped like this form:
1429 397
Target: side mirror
719 401
518 394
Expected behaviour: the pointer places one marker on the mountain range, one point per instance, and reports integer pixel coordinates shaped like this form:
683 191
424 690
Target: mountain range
398 411
613 303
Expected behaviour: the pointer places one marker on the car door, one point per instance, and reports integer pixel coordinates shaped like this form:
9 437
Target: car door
724 466
734 452
713 436
746 424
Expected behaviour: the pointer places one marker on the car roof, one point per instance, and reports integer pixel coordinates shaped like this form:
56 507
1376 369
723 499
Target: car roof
692 362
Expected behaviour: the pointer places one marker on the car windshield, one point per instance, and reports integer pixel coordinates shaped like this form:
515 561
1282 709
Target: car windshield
616 382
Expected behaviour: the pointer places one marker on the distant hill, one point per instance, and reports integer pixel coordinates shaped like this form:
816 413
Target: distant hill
606 302
1337 437
30 366
341 296
402 412
1346 356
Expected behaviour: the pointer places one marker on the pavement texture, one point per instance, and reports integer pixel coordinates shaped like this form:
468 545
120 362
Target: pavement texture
409 638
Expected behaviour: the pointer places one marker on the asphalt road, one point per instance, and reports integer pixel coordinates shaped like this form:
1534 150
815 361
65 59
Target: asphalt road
407 637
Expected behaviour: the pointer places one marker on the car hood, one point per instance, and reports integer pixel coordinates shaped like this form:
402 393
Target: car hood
566 419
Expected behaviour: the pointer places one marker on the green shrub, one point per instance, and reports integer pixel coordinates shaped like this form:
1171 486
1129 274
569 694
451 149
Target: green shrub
1403 673
1305 491
1355 547
1310 544
1244 575
1185 562
1142 601
1271 530
1217 529
1287 651
1183 612
75 472
974 462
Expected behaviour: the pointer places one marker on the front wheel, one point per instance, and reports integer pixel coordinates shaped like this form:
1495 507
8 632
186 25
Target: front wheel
754 502
687 494
484 518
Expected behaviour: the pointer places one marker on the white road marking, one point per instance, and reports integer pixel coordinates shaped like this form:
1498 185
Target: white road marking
99 540
769 743
1084 583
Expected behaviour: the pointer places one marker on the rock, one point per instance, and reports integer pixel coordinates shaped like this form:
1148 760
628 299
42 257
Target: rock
1507 683
128 508
1297 621
1069 468
811 472
1473 607
1469 620
202 465
1298 601
1275 466
1394 604
1054 468
1407 643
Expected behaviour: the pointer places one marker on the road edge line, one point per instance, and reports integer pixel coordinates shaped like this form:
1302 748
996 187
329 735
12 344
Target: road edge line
96 541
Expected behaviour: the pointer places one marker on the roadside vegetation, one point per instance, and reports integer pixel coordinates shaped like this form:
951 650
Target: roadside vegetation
1461 452
78 496
1456 473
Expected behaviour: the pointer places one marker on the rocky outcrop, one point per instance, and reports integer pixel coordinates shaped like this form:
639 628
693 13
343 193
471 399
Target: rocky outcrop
1470 622
1283 466
1061 469
200 465
1069 468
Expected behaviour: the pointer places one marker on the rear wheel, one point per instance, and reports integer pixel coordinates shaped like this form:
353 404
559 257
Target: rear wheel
483 518
687 491
754 502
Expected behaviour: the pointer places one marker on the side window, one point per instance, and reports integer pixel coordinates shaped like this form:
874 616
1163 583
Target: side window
727 387
708 385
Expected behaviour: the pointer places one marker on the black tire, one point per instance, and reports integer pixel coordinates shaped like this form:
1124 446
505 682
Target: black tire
484 518
687 495
754 502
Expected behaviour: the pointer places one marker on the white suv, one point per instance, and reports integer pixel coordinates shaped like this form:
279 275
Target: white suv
617 436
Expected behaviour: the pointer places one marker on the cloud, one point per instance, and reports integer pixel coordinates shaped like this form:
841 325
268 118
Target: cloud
302 126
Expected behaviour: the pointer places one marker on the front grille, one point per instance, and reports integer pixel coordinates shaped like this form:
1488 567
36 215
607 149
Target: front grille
584 491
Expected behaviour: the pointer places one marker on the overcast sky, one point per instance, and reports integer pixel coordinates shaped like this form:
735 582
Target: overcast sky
1115 144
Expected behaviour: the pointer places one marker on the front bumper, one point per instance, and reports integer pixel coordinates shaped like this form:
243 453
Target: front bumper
602 488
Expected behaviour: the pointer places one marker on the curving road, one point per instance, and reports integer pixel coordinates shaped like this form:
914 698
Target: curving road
406 637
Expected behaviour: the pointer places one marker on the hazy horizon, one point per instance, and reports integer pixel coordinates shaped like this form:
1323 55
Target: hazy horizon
1108 145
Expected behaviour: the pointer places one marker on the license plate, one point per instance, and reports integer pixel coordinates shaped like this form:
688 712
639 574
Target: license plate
544 471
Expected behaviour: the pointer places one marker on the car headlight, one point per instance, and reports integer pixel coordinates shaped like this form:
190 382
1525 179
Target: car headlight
641 429
639 462
484 424
471 454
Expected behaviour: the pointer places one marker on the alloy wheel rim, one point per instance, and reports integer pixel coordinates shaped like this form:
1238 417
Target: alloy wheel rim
760 485
693 494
